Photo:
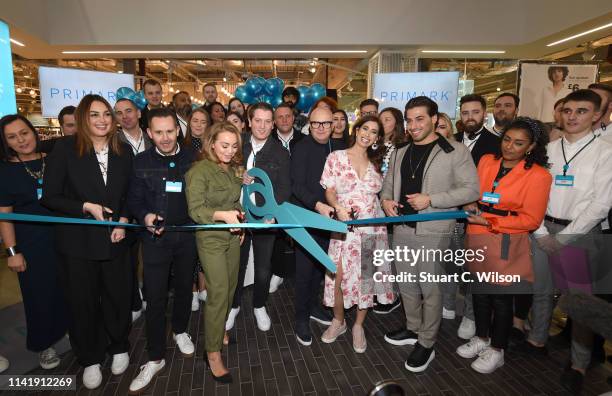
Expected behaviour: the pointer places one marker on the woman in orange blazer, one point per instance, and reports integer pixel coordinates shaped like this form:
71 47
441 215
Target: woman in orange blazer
514 191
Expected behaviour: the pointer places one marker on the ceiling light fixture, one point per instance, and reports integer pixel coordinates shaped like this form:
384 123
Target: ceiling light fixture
463 52
19 90
19 43
219 52
580 34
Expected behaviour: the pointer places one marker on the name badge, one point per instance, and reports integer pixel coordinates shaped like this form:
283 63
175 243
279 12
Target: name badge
39 193
175 187
567 181
492 198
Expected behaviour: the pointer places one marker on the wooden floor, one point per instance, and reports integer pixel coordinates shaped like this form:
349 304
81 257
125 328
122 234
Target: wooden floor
273 363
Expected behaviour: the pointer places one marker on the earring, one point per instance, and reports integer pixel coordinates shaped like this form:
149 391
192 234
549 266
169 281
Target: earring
528 152
375 146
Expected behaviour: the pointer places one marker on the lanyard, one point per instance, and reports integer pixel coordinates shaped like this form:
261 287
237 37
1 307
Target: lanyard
284 142
566 166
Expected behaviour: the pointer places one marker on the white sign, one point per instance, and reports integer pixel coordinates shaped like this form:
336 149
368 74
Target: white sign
396 89
543 84
60 87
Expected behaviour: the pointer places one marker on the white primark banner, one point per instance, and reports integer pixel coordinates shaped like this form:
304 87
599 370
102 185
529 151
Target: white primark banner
60 87
396 89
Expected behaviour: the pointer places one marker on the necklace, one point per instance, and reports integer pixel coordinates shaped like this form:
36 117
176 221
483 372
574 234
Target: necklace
36 175
413 172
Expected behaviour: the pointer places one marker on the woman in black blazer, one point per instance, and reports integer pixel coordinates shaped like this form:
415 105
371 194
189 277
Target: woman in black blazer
87 177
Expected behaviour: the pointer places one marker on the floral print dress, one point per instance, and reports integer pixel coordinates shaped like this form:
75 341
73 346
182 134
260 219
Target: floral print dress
353 252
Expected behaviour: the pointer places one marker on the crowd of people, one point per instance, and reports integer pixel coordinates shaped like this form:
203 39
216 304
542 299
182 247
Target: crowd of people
524 183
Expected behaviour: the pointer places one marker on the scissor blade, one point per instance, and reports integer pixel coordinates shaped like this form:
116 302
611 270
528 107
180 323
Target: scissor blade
310 219
302 237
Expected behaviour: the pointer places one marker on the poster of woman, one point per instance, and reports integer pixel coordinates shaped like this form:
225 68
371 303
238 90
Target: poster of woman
542 84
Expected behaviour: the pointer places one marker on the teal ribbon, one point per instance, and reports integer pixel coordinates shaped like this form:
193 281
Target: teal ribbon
448 215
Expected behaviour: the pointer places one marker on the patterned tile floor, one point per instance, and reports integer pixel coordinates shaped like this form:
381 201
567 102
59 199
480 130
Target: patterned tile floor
273 363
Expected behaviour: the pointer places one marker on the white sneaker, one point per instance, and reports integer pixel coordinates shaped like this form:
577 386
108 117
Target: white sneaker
4 364
275 282
120 363
136 315
202 295
143 379
231 318
184 343
448 314
92 376
48 359
467 329
472 348
195 303
262 319
488 361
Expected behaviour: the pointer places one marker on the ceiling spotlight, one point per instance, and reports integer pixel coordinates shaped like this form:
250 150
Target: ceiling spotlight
171 89
224 78
498 89
19 90
21 109
313 70
120 71
32 92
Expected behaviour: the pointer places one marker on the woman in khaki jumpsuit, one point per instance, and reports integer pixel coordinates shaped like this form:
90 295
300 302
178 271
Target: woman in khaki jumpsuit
213 195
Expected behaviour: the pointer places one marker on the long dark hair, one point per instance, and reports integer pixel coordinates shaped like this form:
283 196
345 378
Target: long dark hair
374 155
84 143
6 153
537 133
346 136
399 132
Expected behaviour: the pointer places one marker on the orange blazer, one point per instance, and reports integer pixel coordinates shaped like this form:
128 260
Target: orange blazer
524 191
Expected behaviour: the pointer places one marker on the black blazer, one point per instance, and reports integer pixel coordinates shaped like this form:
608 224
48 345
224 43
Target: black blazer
274 160
70 181
487 143
297 136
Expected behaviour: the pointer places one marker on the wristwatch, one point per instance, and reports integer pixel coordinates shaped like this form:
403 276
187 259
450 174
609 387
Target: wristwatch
12 251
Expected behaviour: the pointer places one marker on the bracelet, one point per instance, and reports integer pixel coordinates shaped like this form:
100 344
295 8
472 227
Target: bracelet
12 251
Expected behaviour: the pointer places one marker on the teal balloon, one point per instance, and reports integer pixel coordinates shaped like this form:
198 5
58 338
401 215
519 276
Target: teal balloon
267 99
139 100
244 96
274 86
306 100
254 86
124 93
277 100
194 106
318 91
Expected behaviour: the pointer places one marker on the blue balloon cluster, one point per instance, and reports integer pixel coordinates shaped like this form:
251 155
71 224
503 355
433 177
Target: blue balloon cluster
136 97
258 89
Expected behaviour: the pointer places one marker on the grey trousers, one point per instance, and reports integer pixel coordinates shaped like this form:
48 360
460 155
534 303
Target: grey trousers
543 305
449 289
422 301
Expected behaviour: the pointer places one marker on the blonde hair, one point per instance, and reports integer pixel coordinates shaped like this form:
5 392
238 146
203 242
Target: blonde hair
451 131
211 138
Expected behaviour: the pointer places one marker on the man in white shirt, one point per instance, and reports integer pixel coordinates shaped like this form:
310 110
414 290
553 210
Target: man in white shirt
580 198
128 116
504 111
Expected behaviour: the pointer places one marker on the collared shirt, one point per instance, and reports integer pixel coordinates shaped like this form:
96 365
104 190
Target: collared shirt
137 145
182 124
178 150
471 142
496 132
604 131
255 147
102 157
588 201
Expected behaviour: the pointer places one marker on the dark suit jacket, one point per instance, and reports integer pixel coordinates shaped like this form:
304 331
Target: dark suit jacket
297 136
147 141
274 160
70 181
487 143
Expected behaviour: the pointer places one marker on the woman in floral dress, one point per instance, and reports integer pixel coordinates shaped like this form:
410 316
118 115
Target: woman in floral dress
352 179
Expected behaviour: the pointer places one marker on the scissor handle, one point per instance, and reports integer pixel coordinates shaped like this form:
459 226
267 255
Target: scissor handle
269 208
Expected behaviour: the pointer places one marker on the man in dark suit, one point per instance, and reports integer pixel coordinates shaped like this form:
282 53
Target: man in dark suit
262 151
131 133
478 139
153 93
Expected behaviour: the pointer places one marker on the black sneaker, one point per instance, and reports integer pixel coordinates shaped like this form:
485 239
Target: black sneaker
572 380
419 358
517 335
303 334
528 348
387 308
321 315
562 340
401 337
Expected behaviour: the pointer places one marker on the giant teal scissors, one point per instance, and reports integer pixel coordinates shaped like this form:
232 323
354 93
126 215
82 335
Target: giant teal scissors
289 214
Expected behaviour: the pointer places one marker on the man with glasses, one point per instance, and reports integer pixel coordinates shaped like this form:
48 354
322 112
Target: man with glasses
307 162
368 107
